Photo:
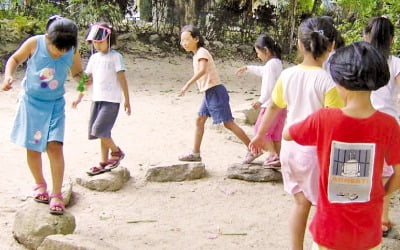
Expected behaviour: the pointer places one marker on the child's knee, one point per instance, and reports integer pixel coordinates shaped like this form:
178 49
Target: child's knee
54 146
230 125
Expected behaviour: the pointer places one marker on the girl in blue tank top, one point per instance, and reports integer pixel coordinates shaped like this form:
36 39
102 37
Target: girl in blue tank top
40 119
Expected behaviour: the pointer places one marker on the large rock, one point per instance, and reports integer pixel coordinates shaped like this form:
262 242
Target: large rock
245 114
177 172
74 242
253 173
108 181
67 192
33 223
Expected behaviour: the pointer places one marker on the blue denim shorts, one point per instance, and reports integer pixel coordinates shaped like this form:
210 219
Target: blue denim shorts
216 105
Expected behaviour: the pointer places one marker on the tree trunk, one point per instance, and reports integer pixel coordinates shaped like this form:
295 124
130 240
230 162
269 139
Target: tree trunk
292 18
316 5
145 9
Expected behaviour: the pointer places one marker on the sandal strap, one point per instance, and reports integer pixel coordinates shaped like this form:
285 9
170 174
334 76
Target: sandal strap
59 196
118 153
39 185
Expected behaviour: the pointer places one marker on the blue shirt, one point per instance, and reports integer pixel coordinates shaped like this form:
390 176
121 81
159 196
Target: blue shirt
45 75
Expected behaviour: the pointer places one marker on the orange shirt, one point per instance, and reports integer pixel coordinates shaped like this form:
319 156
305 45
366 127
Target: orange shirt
210 78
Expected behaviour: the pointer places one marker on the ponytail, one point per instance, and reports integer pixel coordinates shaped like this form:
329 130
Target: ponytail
380 32
316 34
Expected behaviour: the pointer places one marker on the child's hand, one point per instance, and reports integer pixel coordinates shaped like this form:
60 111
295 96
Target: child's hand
256 105
127 107
241 70
75 103
7 83
256 145
182 91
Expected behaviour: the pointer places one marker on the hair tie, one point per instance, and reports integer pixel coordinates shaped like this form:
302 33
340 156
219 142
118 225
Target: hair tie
320 31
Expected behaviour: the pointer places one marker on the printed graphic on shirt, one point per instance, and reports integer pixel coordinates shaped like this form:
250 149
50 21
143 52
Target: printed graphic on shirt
350 172
46 76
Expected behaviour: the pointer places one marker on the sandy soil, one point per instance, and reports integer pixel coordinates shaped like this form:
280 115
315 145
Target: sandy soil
211 213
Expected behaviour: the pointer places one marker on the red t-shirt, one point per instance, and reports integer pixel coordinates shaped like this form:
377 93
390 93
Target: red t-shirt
351 153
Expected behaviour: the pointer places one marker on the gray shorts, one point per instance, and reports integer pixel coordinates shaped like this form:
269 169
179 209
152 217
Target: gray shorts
102 118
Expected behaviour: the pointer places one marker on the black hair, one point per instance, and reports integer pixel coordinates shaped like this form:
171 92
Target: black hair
265 41
381 32
113 37
339 41
316 34
359 66
51 19
195 33
63 33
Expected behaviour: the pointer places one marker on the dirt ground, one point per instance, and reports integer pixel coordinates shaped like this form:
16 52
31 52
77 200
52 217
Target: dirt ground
210 213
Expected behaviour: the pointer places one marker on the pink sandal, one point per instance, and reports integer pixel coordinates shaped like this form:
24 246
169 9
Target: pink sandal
98 169
41 196
56 207
113 163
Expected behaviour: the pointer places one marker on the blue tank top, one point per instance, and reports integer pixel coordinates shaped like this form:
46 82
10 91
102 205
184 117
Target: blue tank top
45 76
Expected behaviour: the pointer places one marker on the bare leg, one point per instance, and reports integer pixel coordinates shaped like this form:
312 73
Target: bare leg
34 160
269 147
238 131
277 146
298 220
386 206
198 136
56 158
107 144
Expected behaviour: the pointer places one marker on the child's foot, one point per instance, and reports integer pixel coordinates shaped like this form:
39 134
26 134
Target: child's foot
190 157
272 161
56 204
40 193
250 157
98 169
115 160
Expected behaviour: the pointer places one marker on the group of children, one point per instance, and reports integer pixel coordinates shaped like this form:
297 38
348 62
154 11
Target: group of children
337 146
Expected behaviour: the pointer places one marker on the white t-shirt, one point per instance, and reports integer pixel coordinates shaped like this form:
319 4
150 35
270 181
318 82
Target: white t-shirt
269 73
104 69
303 90
384 99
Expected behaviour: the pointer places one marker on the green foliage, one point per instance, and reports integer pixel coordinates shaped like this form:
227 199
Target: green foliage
86 12
353 15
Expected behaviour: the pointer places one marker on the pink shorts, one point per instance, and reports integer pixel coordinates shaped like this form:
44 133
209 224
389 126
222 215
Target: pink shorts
275 131
300 172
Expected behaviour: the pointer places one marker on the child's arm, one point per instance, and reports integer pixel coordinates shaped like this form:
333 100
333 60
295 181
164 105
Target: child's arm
394 181
124 85
20 56
200 73
240 71
77 73
286 134
76 68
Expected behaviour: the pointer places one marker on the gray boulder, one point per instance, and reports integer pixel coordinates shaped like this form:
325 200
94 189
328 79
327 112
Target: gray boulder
33 223
108 181
74 242
253 173
176 172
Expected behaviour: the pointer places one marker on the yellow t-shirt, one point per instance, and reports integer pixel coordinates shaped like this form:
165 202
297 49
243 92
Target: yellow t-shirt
303 90
210 78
